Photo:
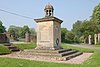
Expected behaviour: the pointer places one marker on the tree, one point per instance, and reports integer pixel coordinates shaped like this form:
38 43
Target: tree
14 31
24 30
63 34
2 28
76 27
96 15
70 37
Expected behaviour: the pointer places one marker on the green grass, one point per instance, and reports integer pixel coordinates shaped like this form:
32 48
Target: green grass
93 61
25 46
4 50
64 45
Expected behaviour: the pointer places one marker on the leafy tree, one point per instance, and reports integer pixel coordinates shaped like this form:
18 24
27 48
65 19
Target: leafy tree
70 37
63 34
96 15
24 30
76 27
2 28
14 30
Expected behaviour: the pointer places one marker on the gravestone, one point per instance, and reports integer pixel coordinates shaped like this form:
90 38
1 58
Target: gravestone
27 37
90 39
95 38
99 37
48 30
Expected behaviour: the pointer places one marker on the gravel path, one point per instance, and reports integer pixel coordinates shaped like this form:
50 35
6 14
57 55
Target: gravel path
77 60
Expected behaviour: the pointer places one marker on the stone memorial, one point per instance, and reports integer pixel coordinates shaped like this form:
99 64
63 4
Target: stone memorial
48 30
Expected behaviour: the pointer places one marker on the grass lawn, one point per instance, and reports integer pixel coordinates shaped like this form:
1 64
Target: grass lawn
25 46
4 50
93 61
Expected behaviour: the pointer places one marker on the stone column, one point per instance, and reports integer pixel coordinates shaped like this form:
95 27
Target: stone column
98 36
27 37
90 39
95 38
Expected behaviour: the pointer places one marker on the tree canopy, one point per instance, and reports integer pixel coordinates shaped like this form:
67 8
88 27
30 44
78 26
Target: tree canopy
2 28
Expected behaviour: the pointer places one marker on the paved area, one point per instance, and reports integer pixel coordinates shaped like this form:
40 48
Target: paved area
85 46
77 60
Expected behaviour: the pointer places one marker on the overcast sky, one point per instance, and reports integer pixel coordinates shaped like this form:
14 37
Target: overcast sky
68 10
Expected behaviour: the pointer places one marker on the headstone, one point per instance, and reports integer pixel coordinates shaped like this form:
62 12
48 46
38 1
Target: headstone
27 37
90 39
95 38
99 37
48 30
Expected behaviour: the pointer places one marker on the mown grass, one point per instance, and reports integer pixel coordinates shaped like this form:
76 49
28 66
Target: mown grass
4 50
25 46
93 61
64 45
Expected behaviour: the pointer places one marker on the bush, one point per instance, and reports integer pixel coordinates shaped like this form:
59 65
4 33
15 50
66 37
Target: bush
4 50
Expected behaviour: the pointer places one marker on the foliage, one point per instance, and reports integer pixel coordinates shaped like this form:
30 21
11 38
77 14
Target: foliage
70 37
96 14
25 46
87 27
17 32
2 28
4 50
63 34
76 27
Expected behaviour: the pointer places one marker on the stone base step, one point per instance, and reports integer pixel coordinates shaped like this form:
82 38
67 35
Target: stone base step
62 54
68 53
11 47
49 51
73 55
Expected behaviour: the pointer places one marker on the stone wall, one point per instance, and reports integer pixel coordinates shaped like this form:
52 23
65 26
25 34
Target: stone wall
4 38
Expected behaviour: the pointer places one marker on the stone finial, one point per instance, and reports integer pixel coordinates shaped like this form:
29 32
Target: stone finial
49 10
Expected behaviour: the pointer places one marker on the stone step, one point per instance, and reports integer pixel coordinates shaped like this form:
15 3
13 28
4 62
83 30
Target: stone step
11 47
14 49
68 57
49 51
41 54
7 44
68 53
63 50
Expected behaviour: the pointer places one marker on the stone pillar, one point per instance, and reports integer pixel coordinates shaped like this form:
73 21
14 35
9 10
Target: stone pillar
90 39
27 37
95 38
99 37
